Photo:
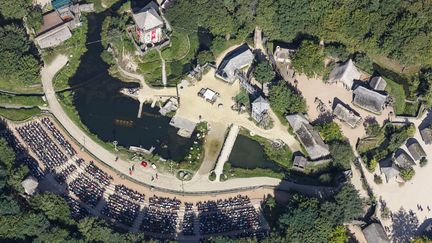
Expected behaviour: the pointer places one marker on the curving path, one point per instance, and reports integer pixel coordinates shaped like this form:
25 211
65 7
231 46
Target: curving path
165 182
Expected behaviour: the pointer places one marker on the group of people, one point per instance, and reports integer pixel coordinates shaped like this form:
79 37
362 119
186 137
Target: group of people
64 174
129 193
77 211
121 210
233 214
86 189
59 137
98 174
188 220
42 145
161 215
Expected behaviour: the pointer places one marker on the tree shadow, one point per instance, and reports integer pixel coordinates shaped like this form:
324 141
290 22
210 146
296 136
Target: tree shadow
405 225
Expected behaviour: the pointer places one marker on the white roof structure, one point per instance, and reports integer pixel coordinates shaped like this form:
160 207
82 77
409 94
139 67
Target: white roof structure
209 94
346 73
378 83
369 100
54 37
260 105
30 185
235 60
346 115
309 138
148 18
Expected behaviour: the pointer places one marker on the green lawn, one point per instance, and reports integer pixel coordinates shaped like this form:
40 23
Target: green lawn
19 114
234 172
21 100
180 47
396 91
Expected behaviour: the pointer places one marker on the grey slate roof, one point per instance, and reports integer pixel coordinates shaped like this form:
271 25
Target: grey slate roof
426 134
346 73
346 115
375 233
300 162
403 159
259 107
416 150
369 100
389 169
378 83
309 138
235 60
148 18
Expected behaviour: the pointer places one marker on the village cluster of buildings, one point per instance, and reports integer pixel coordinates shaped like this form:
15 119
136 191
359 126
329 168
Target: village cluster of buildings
58 23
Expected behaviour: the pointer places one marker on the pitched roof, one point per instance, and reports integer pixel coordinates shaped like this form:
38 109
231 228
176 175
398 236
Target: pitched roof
369 100
416 149
148 18
389 169
375 233
235 60
51 20
426 134
260 105
346 73
378 83
300 162
346 115
309 138
54 37
403 159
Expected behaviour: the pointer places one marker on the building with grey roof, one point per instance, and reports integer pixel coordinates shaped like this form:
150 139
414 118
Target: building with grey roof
389 169
345 73
54 37
299 162
260 108
347 115
378 83
369 100
148 23
283 55
426 134
185 126
402 159
309 138
374 233
235 60
30 185
415 149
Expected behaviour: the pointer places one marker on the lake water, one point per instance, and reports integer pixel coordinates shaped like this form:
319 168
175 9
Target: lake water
112 116
249 154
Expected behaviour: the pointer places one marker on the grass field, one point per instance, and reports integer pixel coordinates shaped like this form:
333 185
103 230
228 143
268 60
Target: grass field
180 47
21 100
19 114
396 91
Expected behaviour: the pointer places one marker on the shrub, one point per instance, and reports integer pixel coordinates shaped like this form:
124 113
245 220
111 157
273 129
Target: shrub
407 173
423 162
377 179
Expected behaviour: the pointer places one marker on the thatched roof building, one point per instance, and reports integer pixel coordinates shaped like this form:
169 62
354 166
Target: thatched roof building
309 138
374 233
426 134
347 115
415 149
345 73
369 100
403 159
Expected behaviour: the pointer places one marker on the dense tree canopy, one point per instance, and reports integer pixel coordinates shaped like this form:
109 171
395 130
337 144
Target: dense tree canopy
309 59
284 100
16 9
263 72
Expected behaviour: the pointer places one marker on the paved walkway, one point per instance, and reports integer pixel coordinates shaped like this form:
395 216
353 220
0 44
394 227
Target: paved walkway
226 150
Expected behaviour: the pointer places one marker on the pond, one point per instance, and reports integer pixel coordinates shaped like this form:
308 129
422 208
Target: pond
112 116
249 154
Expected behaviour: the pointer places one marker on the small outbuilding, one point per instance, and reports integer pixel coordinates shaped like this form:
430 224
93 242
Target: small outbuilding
426 134
30 185
415 149
260 108
402 159
148 24
345 73
374 233
299 162
389 169
347 115
369 100
378 83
